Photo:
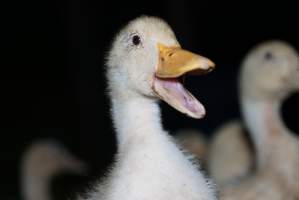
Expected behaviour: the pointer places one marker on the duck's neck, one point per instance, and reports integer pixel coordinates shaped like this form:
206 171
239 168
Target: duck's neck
136 118
36 187
265 125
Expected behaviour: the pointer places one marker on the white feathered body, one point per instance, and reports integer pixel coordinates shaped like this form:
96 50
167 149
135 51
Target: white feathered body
149 165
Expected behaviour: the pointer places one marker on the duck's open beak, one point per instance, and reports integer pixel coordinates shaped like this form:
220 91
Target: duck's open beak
173 63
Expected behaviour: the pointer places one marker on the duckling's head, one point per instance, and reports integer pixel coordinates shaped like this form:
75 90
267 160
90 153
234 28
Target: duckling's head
146 60
270 70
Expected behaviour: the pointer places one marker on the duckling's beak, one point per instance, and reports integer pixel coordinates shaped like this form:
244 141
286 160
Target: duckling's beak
173 63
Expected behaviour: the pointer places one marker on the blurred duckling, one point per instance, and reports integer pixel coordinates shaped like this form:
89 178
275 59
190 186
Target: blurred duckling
269 73
41 162
231 155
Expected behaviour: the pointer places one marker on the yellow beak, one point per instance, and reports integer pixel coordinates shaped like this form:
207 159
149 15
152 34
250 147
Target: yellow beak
175 61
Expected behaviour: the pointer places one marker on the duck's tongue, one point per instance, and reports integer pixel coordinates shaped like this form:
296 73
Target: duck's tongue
173 92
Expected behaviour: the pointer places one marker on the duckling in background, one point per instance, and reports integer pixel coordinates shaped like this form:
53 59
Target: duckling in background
144 65
231 155
41 162
269 73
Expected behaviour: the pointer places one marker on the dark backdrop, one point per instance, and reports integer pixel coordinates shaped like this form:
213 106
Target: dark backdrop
52 80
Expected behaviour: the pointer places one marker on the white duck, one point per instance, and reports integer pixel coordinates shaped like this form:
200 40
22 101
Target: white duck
269 73
144 65
43 160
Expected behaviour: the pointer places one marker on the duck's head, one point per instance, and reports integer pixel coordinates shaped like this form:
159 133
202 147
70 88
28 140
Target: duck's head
147 60
270 70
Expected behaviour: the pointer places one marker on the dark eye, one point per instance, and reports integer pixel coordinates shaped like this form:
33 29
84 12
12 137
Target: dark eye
268 55
136 40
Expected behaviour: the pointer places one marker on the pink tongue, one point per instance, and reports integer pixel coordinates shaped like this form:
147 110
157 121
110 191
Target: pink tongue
174 93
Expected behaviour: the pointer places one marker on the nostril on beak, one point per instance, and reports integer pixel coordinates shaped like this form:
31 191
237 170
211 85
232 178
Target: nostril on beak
209 65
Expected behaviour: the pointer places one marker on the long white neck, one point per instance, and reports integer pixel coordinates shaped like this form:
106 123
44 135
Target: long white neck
149 165
136 118
265 125
276 147
35 187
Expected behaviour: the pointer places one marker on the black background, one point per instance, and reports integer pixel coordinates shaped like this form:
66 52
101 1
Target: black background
52 83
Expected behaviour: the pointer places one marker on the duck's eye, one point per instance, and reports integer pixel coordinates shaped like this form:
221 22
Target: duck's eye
136 40
268 55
